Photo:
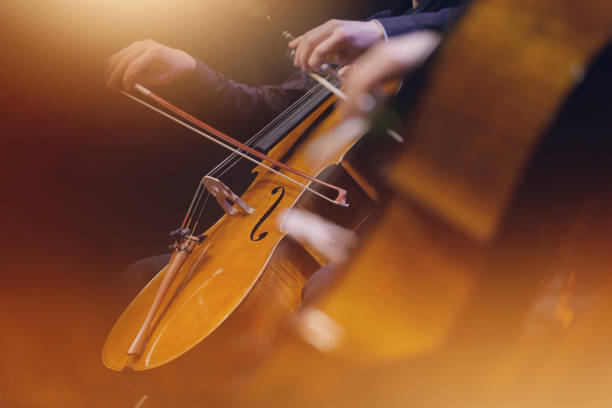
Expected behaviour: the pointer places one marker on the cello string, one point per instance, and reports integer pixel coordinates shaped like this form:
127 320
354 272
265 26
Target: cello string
238 154
263 132
225 166
229 162
196 198
341 192
317 89
191 210
200 214
320 89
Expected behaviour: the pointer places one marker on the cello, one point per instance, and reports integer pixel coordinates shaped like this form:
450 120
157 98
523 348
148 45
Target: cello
200 326
426 310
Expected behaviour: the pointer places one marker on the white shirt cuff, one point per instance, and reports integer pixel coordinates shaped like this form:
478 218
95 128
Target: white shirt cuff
382 28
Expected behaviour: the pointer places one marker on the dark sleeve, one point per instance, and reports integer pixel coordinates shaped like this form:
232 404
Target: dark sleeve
236 108
380 14
419 21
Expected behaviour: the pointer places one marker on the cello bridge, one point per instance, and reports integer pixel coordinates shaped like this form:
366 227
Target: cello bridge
225 196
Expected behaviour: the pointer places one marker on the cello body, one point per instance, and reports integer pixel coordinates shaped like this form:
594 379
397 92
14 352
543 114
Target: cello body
220 315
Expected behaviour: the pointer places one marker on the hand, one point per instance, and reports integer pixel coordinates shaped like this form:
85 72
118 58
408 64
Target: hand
336 41
148 63
383 63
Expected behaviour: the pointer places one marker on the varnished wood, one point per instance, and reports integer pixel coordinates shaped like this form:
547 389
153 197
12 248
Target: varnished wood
217 367
466 167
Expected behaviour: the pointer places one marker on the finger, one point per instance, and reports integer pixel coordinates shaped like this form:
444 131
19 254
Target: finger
399 57
303 52
309 41
294 43
122 65
320 53
147 78
136 68
345 70
359 88
353 106
113 60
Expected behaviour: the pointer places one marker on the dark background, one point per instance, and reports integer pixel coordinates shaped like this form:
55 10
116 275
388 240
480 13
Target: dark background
92 182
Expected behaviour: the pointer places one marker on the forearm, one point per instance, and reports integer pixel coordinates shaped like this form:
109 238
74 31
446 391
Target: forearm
237 108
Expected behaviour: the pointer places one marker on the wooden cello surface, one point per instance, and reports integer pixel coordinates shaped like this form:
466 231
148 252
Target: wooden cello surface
430 308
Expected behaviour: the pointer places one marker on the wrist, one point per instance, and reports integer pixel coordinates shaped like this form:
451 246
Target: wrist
380 30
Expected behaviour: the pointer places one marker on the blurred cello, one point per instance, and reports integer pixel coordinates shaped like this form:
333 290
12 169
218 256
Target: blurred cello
428 303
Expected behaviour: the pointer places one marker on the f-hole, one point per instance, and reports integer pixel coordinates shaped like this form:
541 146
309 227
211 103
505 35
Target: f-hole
262 235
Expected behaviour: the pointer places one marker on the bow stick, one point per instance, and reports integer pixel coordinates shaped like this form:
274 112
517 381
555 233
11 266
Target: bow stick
340 198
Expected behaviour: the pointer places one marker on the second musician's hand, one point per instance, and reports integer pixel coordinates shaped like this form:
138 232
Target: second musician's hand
336 41
384 62
148 63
